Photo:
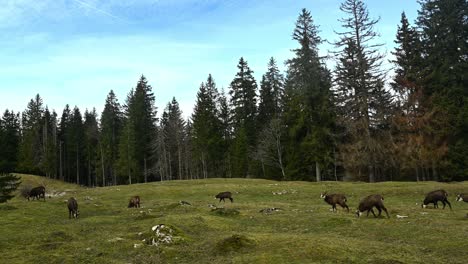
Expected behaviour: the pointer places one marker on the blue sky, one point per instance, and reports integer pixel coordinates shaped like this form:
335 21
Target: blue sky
75 51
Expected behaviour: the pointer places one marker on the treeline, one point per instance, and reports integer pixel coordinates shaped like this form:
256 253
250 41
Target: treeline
309 123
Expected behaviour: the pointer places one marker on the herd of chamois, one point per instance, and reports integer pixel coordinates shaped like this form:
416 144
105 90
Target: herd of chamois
367 204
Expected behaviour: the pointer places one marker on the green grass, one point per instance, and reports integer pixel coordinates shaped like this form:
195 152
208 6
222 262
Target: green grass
304 231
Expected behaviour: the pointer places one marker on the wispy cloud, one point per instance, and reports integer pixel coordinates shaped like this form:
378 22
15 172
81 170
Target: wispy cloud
87 5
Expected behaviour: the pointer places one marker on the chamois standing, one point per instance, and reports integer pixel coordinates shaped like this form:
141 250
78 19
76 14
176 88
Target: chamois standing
334 199
73 208
134 202
223 195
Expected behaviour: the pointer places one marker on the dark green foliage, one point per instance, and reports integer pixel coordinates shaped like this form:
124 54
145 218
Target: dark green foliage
30 152
444 30
171 148
243 113
111 129
207 133
9 141
8 184
91 141
308 110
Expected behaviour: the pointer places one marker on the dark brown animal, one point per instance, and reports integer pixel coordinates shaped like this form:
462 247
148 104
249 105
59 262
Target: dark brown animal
73 208
134 202
37 193
334 199
371 201
223 195
462 197
436 196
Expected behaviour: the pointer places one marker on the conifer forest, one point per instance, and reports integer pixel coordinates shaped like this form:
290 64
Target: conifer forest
355 121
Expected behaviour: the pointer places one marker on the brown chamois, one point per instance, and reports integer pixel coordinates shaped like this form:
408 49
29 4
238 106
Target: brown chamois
73 208
371 201
434 197
334 199
221 196
37 193
134 202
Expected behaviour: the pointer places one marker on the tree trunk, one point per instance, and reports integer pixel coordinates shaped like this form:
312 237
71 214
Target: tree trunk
146 171
318 177
77 166
371 174
103 170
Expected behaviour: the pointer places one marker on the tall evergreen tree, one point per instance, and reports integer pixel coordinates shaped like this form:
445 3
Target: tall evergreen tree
9 141
76 144
175 134
65 147
244 113
91 141
31 151
308 109
142 119
444 30
363 102
271 94
49 144
206 129
111 129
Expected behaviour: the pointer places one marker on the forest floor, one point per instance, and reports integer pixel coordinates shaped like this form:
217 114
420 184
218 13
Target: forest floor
304 230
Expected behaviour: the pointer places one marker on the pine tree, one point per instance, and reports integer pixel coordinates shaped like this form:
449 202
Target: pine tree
8 184
271 94
444 30
76 143
31 151
9 141
174 129
244 113
361 95
49 144
111 129
65 146
91 141
141 112
206 129
308 104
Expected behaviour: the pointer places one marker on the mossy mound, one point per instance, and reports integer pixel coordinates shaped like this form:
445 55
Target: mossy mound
235 243
225 211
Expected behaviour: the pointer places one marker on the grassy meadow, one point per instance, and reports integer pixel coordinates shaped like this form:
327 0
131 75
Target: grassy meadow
303 231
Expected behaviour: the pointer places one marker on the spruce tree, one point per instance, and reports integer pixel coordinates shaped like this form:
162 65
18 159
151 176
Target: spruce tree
243 103
110 133
31 151
91 141
9 141
206 129
363 101
308 110
444 30
76 143
8 184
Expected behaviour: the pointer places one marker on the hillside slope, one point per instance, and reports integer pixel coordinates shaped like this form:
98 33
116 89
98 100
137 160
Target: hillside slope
303 231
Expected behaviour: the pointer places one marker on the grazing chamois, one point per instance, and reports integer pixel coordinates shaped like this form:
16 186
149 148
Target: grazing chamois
73 208
134 202
371 201
462 197
223 195
334 199
37 193
436 196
